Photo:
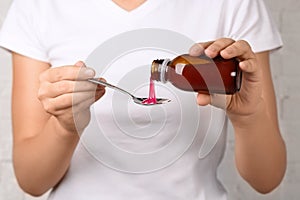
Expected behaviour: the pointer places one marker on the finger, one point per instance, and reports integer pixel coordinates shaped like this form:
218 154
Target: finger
203 99
67 73
56 106
197 49
99 93
82 96
217 46
82 106
99 86
80 64
252 77
248 62
249 65
217 100
240 49
52 90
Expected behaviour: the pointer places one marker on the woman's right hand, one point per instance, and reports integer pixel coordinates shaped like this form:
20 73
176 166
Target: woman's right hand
67 96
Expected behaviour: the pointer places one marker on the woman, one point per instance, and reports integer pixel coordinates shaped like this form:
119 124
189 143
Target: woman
48 38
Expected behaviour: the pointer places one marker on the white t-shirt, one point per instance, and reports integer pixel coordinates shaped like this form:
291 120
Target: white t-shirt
129 151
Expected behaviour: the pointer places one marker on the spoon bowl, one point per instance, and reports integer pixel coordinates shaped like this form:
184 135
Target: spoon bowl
137 100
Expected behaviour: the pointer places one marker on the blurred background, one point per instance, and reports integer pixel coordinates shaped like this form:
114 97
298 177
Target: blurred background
286 73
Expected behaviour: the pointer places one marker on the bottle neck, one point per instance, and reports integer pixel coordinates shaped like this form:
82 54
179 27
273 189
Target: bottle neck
159 69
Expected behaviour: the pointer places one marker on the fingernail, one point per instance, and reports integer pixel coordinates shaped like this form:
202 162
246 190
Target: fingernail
89 72
212 49
195 49
228 51
209 53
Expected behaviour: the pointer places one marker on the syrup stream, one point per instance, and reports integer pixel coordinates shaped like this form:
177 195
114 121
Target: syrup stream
152 97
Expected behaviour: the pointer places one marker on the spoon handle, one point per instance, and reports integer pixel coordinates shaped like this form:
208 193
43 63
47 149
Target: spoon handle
97 81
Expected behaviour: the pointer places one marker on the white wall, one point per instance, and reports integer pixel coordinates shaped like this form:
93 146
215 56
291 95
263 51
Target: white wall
287 84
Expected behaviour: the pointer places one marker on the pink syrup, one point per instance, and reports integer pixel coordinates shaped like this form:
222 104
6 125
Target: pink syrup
152 97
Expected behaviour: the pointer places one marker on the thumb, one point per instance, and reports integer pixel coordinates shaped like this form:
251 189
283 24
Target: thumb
84 71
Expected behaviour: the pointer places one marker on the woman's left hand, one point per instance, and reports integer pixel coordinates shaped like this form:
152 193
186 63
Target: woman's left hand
248 100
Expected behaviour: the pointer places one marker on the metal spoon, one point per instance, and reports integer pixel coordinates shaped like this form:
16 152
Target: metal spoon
137 100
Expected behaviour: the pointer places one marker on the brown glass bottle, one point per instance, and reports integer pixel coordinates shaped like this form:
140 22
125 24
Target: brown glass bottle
200 74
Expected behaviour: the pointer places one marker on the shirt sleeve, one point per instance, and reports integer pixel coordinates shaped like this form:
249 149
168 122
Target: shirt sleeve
252 22
20 32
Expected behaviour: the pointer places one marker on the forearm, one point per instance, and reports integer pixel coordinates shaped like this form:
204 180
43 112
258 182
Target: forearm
260 150
44 129
41 161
